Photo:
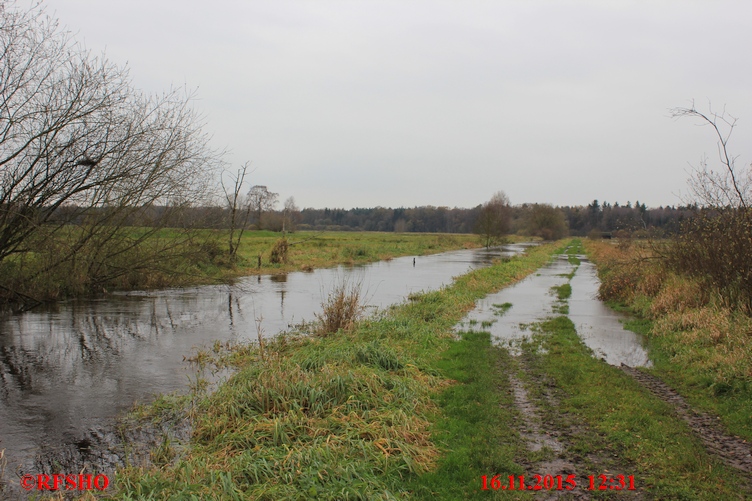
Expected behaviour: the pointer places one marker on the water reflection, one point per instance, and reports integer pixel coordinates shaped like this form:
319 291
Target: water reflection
72 366
599 327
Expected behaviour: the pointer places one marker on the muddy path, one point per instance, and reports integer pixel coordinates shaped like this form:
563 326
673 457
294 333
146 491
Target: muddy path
734 451
553 438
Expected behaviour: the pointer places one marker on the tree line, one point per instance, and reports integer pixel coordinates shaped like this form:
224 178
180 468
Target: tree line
578 220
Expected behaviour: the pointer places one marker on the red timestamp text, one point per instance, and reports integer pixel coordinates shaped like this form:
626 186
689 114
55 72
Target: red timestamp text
557 482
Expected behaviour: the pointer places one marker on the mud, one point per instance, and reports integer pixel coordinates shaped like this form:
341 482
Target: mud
543 426
733 451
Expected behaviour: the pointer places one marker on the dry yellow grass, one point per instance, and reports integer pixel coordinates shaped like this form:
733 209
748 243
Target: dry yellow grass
704 334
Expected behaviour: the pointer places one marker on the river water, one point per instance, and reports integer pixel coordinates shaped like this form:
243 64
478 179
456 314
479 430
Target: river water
71 367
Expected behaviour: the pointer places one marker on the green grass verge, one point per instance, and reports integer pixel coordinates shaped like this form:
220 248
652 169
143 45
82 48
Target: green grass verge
477 424
730 401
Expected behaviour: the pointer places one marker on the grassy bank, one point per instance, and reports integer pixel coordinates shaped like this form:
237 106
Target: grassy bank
319 250
698 344
73 263
346 416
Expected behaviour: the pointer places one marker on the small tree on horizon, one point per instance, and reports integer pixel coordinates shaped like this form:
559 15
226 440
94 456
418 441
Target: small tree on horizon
261 200
494 219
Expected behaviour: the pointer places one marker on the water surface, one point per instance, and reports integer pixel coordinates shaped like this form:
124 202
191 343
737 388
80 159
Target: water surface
532 300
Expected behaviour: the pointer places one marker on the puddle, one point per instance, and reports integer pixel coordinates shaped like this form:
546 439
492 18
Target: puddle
531 300
599 327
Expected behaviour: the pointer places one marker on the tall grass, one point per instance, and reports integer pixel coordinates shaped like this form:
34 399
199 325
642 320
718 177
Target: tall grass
342 308
698 343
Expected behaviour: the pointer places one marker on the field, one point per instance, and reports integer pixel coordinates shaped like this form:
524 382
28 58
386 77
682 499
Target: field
319 250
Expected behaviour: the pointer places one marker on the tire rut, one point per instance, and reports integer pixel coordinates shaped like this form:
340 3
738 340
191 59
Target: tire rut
542 425
734 451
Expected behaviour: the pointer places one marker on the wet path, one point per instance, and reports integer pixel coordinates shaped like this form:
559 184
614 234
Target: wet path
532 300
512 315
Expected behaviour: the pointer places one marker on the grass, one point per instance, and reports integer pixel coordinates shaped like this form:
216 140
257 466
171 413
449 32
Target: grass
477 423
319 250
698 346
623 418
346 416
500 309
342 309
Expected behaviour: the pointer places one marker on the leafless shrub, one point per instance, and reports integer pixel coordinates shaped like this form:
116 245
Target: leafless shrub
715 245
342 309
279 251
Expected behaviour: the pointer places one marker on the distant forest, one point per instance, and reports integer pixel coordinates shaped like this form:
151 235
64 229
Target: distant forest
581 220
636 219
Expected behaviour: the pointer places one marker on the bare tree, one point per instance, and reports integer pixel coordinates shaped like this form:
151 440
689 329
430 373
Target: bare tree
727 188
240 210
261 200
78 144
494 219
291 215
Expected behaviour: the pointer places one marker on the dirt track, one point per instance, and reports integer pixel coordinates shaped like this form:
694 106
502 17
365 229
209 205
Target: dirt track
734 451
543 426
551 436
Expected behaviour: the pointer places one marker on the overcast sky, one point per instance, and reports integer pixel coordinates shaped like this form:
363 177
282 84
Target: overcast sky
376 103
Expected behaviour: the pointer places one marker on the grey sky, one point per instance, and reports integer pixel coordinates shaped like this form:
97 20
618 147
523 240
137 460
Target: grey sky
364 103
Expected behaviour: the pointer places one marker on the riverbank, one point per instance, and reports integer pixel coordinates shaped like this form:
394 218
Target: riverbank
140 259
346 416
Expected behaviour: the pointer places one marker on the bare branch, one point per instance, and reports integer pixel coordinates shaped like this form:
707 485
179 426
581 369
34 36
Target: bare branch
712 188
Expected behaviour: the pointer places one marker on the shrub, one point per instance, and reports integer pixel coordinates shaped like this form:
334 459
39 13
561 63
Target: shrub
716 248
341 309
279 252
